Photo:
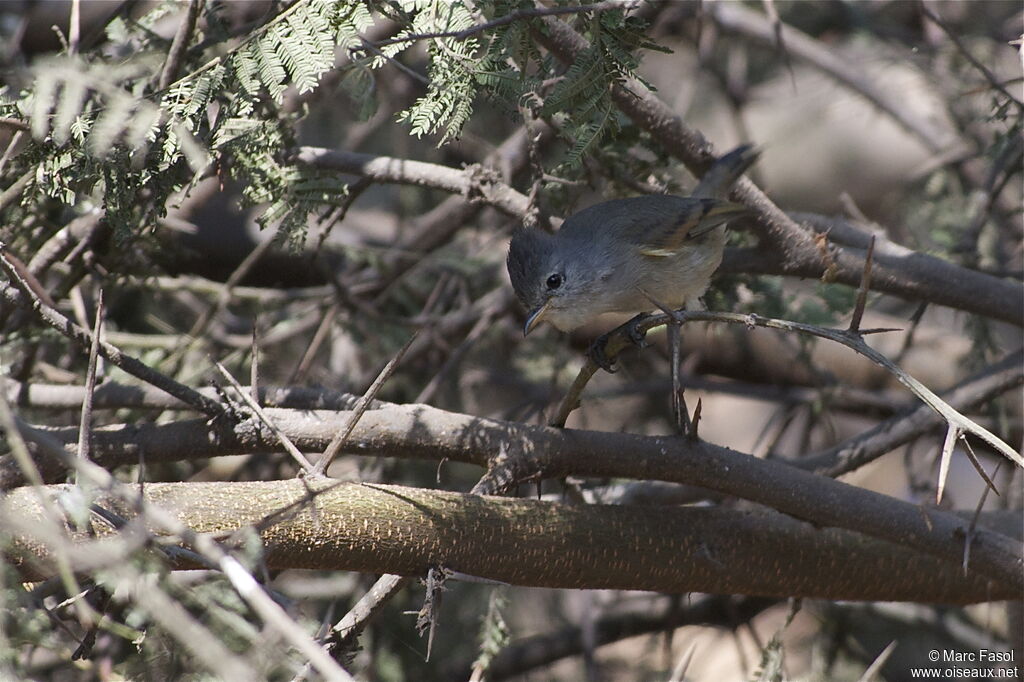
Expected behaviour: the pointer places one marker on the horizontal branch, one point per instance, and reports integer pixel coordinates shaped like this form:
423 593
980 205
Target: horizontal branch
513 16
897 270
474 183
796 249
130 364
405 531
622 338
532 452
522 657
921 276
112 395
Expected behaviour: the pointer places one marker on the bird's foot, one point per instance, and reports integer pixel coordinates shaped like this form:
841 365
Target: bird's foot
635 333
632 330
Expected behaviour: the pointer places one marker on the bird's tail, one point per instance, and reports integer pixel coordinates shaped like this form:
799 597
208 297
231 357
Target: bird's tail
725 171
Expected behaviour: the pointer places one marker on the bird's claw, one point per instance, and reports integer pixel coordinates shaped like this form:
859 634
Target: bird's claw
632 330
597 354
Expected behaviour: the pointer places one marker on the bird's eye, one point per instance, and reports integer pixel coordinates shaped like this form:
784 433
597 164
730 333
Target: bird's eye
554 281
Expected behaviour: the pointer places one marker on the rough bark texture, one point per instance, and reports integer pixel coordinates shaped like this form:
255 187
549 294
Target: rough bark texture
521 452
377 528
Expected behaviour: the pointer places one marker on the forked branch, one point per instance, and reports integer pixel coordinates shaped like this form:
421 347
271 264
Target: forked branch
619 340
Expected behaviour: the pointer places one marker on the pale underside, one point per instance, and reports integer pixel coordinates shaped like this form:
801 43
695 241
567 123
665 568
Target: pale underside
674 280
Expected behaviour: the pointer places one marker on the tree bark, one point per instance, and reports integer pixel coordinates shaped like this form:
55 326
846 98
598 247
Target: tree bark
381 528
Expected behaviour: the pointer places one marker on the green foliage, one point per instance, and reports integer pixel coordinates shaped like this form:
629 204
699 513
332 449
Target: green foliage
770 668
449 99
586 88
104 134
494 631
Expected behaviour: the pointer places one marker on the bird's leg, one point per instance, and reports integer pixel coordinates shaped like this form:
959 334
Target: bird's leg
632 331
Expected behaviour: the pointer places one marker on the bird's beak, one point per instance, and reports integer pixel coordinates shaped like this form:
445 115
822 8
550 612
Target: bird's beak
535 318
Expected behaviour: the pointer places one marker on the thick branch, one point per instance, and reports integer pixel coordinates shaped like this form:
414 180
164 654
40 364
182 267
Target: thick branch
797 251
373 528
897 269
919 276
526 452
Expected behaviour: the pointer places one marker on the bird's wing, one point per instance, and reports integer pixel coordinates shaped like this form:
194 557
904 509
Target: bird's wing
694 218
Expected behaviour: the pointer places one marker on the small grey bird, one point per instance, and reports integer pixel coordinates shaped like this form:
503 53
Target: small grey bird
619 256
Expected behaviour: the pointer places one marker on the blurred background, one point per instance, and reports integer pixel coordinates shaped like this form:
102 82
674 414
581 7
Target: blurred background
332 308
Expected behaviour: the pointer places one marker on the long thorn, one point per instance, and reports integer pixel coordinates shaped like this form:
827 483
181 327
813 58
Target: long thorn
862 291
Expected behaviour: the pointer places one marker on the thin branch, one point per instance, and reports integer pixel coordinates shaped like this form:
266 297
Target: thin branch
111 395
511 17
482 325
84 228
911 274
370 604
1009 164
200 285
126 362
223 298
14 190
273 614
85 424
522 656
973 458
13 146
298 374
572 397
472 183
15 123
977 515
871 672
1004 375
190 632
357 412
989 76
620 341
952 436
286 442
862 290
254 364
179 46
347 630
780 41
